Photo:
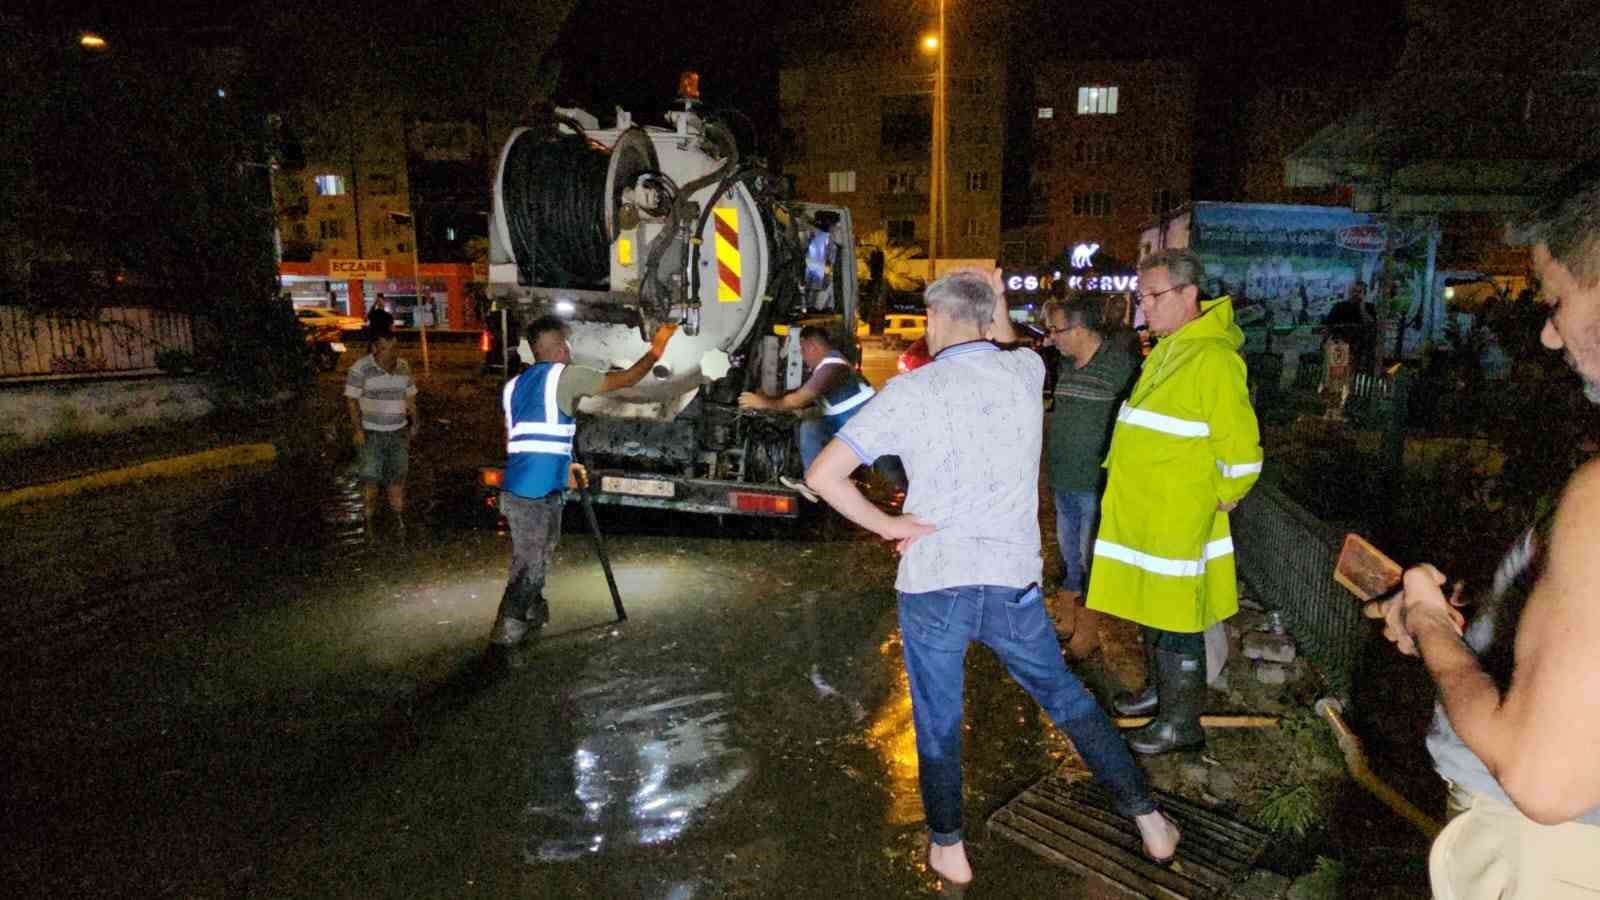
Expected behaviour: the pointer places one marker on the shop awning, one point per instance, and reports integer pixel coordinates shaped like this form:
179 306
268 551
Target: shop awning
1489 105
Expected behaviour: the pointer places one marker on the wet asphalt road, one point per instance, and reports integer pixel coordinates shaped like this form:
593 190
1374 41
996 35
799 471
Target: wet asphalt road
217 688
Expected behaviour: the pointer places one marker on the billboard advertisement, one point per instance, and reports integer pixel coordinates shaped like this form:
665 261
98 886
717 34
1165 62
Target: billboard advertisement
1286 266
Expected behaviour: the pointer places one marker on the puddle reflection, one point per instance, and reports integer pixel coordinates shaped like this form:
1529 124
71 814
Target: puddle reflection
650 762
893 736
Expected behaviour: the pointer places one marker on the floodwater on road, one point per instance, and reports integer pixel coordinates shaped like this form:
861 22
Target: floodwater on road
218 687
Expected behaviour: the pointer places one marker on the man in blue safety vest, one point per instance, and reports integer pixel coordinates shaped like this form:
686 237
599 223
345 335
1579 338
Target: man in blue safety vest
838 389
540 406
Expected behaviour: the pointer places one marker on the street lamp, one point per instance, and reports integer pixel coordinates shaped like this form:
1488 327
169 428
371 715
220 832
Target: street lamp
935 43
91 41
422 312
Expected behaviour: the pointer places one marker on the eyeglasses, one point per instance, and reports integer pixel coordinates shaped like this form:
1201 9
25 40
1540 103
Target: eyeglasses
1147 298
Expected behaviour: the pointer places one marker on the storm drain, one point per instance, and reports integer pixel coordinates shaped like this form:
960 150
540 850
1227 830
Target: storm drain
1068 819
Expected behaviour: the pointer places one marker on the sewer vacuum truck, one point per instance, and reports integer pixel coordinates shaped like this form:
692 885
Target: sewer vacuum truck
620 229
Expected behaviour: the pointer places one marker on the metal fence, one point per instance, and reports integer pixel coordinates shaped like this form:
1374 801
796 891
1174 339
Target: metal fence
109 341
1286 557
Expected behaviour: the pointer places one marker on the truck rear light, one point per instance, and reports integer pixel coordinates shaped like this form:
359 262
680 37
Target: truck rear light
484 342
773 504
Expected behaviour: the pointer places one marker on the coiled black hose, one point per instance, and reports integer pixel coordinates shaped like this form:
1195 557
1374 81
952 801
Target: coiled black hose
554 191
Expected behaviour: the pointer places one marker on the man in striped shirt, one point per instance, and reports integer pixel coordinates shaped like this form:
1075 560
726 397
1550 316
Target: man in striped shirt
382 400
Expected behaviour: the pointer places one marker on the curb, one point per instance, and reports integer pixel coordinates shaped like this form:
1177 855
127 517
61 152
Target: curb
221 458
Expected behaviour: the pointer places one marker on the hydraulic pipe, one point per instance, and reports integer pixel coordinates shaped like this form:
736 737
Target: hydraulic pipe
1355 759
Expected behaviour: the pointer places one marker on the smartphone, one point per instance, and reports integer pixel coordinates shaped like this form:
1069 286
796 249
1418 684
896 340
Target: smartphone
1364 570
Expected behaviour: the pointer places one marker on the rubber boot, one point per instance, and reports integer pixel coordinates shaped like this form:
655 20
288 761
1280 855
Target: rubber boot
1145 702
1181 680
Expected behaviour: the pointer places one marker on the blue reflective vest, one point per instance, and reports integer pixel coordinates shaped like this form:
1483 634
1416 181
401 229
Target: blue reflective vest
538 433
839 404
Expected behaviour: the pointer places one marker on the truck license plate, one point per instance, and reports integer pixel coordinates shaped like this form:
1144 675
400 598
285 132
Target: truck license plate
639 487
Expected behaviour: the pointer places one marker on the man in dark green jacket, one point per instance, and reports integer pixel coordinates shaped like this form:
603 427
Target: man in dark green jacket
1094 378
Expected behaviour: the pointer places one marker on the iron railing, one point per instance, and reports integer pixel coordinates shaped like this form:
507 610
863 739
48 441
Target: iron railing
109 341
1286 557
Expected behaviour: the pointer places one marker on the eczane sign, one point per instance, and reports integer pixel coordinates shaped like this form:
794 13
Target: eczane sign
357 269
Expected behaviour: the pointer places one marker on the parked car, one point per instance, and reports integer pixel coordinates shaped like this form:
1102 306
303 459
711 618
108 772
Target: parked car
832 322
1029 335
905 326
323 317
324 330
915 356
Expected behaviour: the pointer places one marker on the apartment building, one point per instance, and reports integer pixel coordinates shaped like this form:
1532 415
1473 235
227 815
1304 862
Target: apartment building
1112 146
857 127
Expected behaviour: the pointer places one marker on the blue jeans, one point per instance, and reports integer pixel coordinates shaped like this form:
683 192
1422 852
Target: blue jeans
1076 514
937 627
815 433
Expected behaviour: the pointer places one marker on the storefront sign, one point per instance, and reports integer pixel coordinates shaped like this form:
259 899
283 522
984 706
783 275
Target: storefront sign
353 269
1115 283
1034 283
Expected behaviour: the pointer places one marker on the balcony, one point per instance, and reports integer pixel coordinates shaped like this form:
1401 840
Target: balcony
895 205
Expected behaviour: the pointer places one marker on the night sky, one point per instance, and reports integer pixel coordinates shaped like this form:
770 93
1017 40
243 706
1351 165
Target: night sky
629 52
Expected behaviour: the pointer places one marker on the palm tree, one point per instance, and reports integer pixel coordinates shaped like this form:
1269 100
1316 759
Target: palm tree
899 272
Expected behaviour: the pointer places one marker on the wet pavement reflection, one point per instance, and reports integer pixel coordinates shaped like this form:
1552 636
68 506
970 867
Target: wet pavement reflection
651 762
221 687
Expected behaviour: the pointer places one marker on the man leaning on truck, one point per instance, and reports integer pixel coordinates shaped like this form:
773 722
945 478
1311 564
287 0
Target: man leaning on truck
540 407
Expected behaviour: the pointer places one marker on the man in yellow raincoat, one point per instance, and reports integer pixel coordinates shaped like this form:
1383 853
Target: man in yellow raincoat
1185 450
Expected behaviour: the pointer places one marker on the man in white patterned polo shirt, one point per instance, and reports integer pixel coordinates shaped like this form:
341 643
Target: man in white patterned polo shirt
381 398
969 427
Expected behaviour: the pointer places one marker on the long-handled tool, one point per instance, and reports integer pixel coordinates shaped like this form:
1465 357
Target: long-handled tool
599 541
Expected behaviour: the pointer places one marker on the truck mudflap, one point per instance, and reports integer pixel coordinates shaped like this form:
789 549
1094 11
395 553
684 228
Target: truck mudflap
653 491
699 495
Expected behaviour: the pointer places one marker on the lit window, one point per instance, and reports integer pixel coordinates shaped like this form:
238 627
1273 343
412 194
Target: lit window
977 181
1047 112
449 234
330 185
842 182
1097 100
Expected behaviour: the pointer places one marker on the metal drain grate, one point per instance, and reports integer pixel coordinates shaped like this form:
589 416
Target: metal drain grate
1068 819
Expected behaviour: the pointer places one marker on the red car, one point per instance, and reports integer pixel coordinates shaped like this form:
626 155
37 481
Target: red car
916 355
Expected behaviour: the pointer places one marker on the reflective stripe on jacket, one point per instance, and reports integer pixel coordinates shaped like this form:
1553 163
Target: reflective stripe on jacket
839 404
1185 441
538 433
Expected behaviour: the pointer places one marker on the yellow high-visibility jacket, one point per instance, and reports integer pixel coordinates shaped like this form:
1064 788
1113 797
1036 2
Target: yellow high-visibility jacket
1185 441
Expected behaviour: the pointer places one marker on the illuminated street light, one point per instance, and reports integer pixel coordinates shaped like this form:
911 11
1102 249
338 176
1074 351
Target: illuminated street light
930 43
91 41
